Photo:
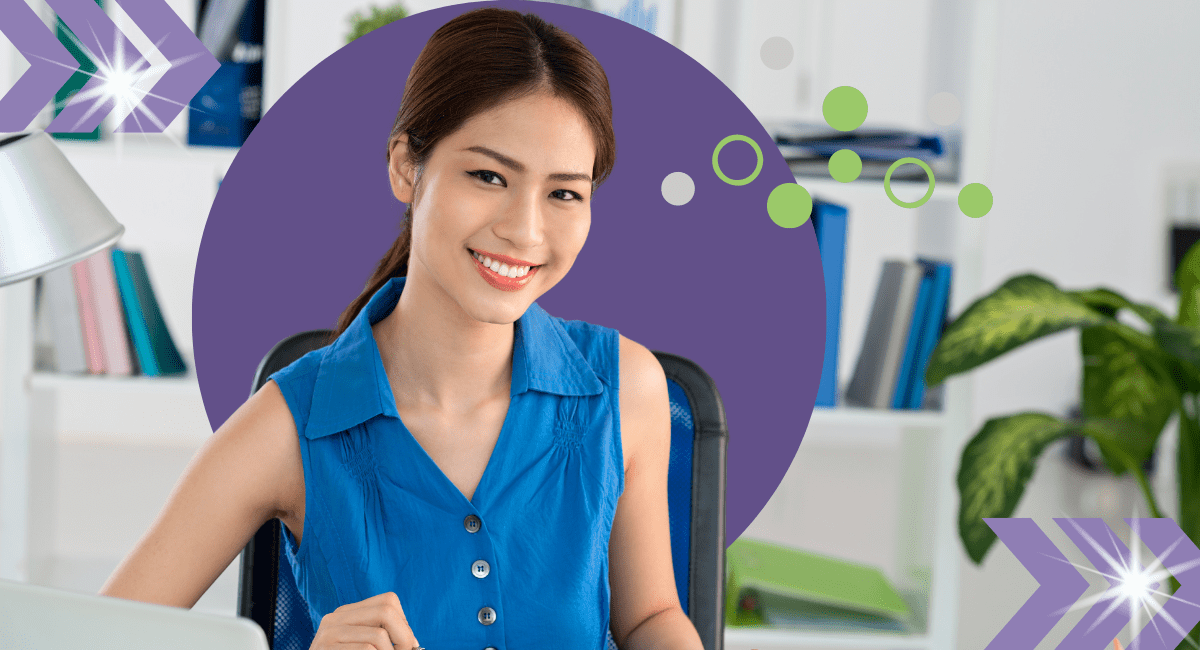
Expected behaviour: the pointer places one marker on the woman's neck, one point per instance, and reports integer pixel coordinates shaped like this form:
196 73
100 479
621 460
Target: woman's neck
437 356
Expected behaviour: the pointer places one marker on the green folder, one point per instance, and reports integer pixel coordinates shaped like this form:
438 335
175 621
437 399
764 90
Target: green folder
774 585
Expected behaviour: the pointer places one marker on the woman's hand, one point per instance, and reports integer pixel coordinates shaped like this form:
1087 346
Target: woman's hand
376 623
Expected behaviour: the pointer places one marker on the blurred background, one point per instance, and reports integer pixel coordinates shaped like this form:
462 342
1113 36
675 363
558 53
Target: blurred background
1079 117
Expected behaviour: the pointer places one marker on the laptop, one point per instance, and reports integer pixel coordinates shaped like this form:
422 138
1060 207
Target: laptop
41 618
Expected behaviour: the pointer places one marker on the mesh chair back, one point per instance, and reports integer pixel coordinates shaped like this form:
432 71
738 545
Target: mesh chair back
267 590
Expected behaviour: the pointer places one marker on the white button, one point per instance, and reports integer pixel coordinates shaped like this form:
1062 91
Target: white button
472 524
491 647
487 616
480 568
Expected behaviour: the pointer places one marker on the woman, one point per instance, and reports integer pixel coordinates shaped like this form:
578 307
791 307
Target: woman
458 468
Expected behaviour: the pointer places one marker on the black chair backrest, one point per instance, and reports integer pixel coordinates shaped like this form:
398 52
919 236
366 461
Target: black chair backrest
267 593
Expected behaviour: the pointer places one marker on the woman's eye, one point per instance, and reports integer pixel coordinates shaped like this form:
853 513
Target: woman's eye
567 195
487 177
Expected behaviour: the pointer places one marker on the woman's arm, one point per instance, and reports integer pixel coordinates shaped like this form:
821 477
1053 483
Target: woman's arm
248 472
645 604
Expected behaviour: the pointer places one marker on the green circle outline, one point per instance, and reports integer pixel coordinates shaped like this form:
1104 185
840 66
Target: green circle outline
887 183
757 152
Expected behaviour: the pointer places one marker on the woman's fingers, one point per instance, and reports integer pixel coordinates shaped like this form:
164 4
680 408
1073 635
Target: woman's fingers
375 621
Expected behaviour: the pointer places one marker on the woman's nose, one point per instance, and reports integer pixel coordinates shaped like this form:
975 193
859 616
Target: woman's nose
523 223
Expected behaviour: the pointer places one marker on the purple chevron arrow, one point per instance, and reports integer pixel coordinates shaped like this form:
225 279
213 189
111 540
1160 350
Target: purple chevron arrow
1181 557
1060 583
191 65
1101 624
50 65
108 48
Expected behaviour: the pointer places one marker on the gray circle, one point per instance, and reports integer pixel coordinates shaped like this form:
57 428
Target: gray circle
777 52
944 109
678 188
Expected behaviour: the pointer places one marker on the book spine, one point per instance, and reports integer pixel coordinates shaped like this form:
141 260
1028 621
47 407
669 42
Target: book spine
932 330
896 338
69 354
87 315
133 313
166 356
911 346
109 319
829 221
864 383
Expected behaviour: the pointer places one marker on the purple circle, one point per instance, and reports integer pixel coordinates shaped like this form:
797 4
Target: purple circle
306 212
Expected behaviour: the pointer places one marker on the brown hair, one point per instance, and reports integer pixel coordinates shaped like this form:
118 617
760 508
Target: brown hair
476 61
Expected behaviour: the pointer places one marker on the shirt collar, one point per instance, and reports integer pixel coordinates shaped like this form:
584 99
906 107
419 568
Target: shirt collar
352 386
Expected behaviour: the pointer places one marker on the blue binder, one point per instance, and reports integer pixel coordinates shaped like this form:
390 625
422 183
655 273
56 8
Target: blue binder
829 222
904 377
931 330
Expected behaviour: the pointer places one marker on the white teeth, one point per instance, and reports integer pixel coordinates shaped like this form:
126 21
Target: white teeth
502 269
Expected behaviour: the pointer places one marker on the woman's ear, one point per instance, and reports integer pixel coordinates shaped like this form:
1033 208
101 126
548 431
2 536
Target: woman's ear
400 170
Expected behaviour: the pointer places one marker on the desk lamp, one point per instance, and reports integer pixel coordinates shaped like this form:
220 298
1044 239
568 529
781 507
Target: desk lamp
49 217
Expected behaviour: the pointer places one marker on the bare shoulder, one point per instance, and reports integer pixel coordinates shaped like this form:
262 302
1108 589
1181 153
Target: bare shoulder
645 405
268 430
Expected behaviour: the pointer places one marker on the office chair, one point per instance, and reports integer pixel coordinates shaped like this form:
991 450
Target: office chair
267 591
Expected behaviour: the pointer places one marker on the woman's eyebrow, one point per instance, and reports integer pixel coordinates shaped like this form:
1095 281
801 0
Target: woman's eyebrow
518 167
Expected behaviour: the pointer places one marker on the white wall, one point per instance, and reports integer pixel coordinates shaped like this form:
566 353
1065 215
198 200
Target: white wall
1093 100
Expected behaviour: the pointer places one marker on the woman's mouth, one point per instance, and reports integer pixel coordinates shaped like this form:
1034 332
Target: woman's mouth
502 275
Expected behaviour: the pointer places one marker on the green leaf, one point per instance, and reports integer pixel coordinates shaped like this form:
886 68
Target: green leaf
1187 278
996 465
1109 302
1126 377
1024 308
1125 444
1188 468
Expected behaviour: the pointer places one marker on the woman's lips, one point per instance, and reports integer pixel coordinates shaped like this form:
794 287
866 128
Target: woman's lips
502 282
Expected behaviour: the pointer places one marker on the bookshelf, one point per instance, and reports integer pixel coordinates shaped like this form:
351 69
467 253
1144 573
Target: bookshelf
162 192
878 486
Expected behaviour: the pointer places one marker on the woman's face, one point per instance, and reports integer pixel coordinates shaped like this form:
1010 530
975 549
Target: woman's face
510 189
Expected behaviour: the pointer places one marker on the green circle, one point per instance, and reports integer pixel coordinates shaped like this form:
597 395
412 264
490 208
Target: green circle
757 167
789 205
975 200
845 165
887 183
844 108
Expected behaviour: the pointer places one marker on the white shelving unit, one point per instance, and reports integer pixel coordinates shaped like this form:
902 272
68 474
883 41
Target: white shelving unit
878 486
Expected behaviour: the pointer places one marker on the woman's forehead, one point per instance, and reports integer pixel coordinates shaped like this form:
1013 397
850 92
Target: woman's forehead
534 131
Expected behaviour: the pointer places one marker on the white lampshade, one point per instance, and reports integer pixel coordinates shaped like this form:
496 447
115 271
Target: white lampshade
49 217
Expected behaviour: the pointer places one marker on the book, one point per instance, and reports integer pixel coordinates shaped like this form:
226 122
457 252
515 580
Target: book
167 359
775 585
109 319
932 327
876 371
81 274
62 313
829 223
908 360
139 333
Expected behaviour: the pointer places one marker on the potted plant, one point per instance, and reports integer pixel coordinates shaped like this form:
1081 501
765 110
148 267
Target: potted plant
362 24
1135 378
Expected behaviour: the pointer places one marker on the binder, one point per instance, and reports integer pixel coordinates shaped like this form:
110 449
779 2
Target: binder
139 333
829 222
62 305
109 317
87 314
167 359
875 374
932 327
908 361
771 584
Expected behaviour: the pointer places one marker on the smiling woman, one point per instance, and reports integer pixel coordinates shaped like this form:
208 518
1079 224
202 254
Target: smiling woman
458 468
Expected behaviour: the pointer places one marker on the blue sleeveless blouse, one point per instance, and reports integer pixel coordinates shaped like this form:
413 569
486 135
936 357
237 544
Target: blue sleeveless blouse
524 563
